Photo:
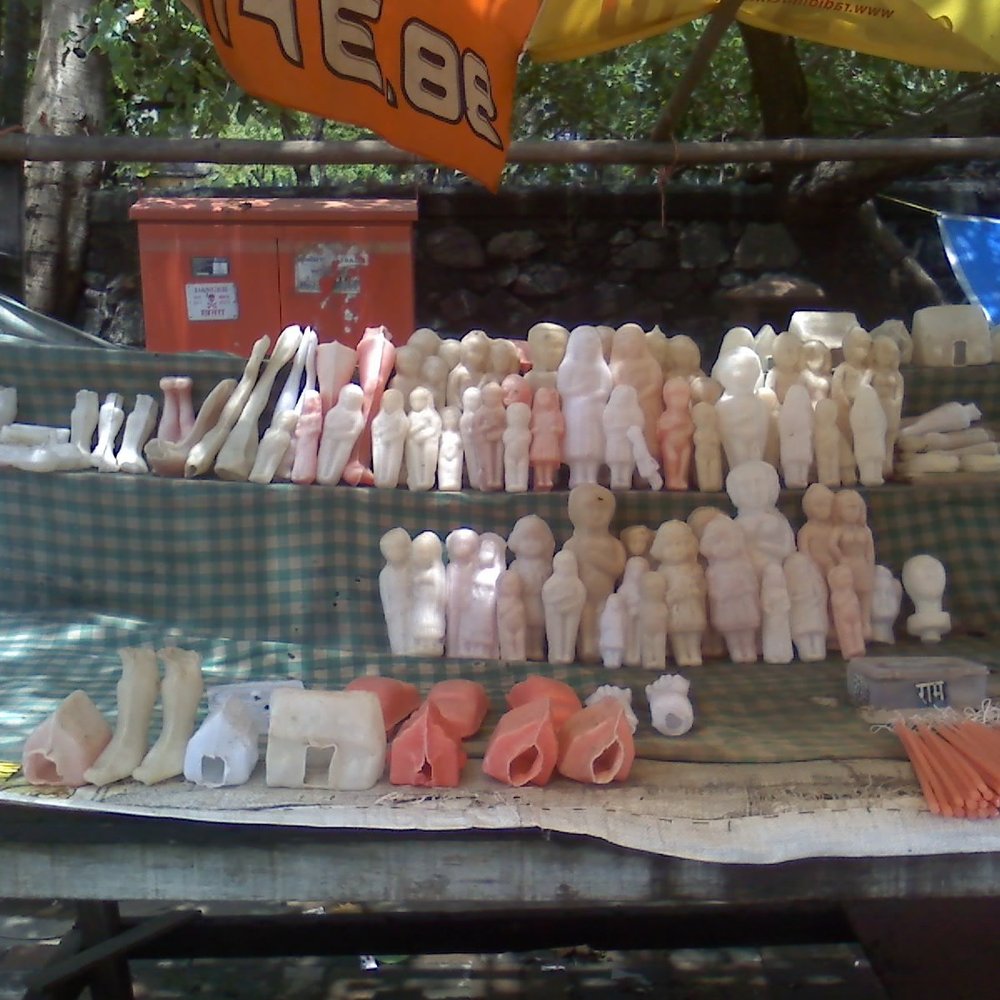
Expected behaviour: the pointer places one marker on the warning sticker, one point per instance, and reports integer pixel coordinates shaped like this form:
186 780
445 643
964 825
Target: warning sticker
216 300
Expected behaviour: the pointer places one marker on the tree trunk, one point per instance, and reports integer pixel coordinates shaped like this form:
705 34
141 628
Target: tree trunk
16 33
67 96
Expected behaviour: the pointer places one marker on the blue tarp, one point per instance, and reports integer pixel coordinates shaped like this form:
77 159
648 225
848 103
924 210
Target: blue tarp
973 248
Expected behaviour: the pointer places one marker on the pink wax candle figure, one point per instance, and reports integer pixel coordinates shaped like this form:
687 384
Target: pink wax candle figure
853 545
376 355
308 431
547 432
733 594
584 384
516 390
632 363
335 364
600 556
532 544
675 433
676 549
463 562
809 618
488 431
428 596
512 618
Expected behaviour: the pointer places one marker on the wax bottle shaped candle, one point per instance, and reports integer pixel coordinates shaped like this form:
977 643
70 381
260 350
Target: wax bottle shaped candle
136 690
584 384
532 544
389 430
180 694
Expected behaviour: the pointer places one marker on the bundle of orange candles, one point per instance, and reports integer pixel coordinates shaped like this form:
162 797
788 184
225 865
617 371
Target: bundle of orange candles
957 765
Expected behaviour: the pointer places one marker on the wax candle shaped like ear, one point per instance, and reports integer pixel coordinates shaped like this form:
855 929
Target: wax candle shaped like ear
137 691
181 693
68 742
596 745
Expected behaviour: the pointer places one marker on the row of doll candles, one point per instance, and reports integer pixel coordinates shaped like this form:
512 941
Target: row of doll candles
341 739
711 585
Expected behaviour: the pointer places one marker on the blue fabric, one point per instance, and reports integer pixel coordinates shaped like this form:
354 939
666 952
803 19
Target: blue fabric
973 248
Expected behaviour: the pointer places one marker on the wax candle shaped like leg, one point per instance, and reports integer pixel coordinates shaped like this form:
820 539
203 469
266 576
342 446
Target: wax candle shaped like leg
181 692
109 423
83 420
68 742
138 427
169 428
137 691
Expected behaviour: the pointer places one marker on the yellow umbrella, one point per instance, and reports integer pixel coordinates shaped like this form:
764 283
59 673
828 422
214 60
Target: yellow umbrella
939 34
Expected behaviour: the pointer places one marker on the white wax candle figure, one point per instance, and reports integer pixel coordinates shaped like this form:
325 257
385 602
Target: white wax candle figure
109 422
274 446
504 359
707 442
532 544
633 364
653 621
827 443
763 344
451 453
462 545
621 415
886 601
394 589
853 545
851 373
8 405
670 709
478 636
426 341
809 619
733 592
737 338
34 434
136 691
434 375
450 352
788 365
818 371
235 458
743 417
203 452
612 631
869 428
845 610
601 558
516 448
511 617
488 432
795 429
471 369
563 597
622 695
546 349
139 425
224 750
409 362
429 596
342 426
329 739
776 606
635 568
584 384
924 579
676 548
753 488
423 440
471 404
772 446
180 695
389 430
888 385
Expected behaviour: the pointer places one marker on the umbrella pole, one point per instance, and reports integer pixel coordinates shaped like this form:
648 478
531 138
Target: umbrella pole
722 17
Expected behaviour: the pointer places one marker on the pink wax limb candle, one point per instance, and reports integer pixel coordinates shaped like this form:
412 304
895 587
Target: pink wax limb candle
375 357
169 428
846 609
335 364
596 744
426 753
563 700
398 699
66 744
306 439
167 458
462 704
675 433
523 748
547 431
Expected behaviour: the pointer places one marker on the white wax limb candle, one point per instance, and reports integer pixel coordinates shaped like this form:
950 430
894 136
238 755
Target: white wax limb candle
138 427
109 422
83 420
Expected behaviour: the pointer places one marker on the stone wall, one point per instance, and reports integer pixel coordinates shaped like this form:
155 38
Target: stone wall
696 260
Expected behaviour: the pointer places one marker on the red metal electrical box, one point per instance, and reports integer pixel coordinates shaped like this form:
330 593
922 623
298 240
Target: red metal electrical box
217 273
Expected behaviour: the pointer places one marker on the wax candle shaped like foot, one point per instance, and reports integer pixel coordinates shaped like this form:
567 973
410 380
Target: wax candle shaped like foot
596 745
181 693
523 748
68 742
109 423
137 689
138 427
